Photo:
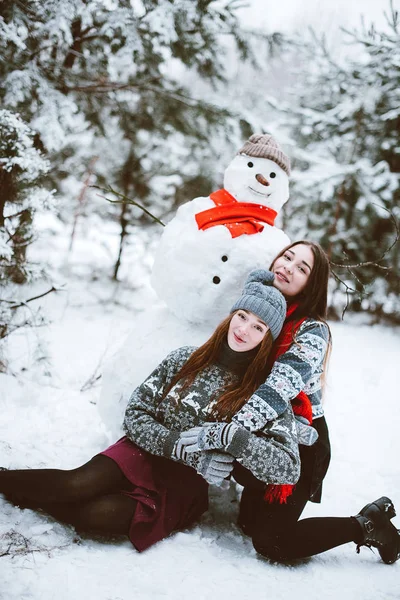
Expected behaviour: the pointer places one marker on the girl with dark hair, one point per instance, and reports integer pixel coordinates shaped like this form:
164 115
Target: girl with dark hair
146 485
298 364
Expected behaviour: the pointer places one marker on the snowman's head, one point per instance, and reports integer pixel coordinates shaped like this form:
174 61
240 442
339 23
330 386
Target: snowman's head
257 180
259 174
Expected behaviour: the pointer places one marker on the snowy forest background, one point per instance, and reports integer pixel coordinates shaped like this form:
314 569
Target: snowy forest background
150 99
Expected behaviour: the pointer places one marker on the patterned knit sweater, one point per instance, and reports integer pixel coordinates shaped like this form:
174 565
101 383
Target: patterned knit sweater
298 369
154 424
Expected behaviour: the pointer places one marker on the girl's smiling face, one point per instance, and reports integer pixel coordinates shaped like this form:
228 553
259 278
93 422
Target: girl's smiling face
245 331
293 269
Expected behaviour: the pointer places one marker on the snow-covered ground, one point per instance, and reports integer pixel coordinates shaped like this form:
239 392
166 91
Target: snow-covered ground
45 420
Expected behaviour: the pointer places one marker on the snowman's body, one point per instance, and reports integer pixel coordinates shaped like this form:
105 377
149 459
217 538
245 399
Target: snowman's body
198 274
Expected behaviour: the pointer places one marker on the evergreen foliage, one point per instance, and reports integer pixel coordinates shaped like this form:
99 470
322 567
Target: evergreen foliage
345 123
21 168
109 91
101 90
111 79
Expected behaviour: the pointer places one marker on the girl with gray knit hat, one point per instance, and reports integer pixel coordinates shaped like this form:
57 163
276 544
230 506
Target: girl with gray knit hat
156 481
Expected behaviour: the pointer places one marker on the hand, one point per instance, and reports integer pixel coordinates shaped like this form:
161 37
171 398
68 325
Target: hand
307 435
211 436
215 467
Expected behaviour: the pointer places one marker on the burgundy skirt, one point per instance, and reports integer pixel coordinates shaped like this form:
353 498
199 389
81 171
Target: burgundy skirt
169 496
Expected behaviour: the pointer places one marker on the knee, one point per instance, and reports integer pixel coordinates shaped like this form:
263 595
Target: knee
87 517
271 547
107 515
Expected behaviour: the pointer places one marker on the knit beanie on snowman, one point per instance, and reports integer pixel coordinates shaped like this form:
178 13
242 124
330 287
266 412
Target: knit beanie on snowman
261 298
264 146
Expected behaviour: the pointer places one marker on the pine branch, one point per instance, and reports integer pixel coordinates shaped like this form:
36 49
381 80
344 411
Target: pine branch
376 262
91 382
95 376
18 214
14 305
350 267
81 199
393 18
125 200
349 291
7 330
105 87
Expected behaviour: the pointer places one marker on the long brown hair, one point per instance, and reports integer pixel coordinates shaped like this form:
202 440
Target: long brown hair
231 397
312 301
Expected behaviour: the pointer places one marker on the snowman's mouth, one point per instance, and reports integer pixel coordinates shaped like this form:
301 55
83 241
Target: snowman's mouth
259 193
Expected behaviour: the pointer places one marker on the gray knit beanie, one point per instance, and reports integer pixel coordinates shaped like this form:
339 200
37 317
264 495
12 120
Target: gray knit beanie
264 146
261 298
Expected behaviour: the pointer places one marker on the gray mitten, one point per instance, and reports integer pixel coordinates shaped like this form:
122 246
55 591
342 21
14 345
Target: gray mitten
179 450
211 436
306 434
215 467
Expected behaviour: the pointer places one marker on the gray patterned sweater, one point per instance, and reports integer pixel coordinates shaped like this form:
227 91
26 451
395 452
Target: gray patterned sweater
298 369
154 424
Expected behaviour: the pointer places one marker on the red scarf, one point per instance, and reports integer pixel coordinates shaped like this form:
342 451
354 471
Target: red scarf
239 217
301 405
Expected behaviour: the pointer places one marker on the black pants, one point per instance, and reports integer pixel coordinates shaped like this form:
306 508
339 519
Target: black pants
88 497
275 528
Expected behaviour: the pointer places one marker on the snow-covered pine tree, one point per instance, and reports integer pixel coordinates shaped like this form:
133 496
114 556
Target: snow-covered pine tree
110 79
345 122
21 168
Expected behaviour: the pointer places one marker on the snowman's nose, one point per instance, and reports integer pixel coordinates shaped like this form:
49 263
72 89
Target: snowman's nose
261 179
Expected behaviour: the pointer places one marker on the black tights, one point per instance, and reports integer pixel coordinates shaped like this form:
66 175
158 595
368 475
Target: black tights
88 497
279 535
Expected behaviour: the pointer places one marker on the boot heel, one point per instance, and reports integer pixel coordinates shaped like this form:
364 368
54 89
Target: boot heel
383 504
386 505
389 555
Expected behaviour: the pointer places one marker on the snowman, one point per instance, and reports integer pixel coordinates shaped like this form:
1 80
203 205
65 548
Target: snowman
203 259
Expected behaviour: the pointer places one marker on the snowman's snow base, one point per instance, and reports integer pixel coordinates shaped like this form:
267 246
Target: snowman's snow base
155 333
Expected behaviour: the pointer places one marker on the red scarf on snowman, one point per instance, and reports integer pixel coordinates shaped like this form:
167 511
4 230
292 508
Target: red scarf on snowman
301 405
239 217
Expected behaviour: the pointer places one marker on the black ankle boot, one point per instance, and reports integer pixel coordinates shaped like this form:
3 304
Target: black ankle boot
378 531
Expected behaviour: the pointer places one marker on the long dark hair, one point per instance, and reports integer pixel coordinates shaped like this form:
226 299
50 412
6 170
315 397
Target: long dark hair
231 397
312 301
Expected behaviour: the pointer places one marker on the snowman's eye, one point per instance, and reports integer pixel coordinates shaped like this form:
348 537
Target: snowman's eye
250 164
224 258
272 175
216 279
